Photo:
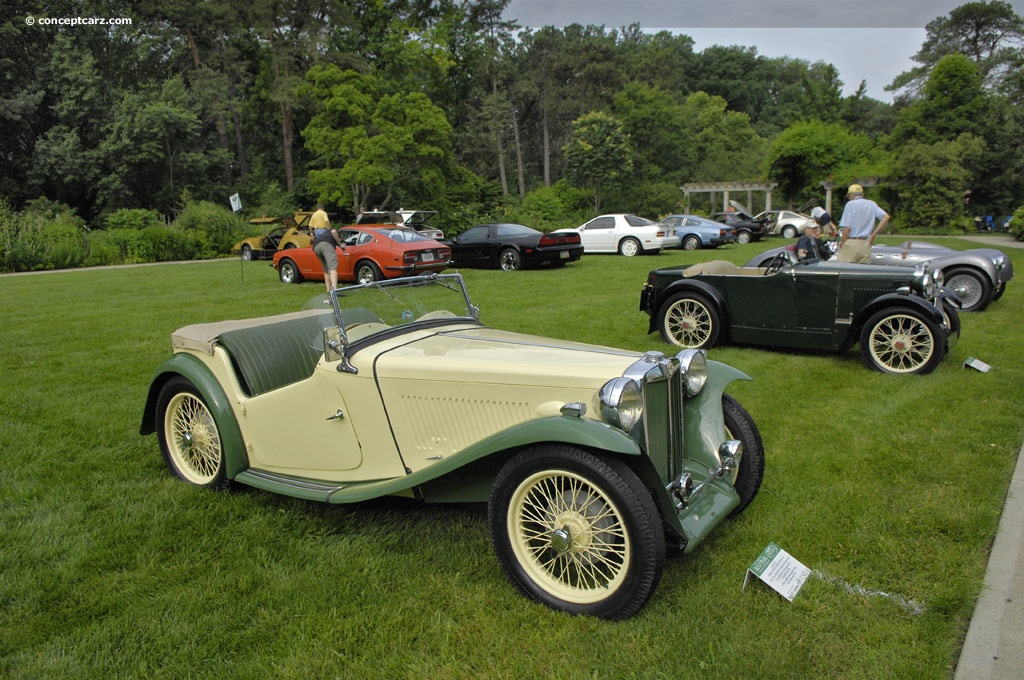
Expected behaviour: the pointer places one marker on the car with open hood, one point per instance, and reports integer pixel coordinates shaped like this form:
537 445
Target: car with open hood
747 228
902 318
278 233
590 459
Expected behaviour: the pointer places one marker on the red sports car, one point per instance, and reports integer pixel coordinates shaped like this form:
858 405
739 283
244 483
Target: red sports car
369 253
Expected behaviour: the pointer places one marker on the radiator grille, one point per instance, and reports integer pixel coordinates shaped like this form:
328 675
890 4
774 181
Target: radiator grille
663 423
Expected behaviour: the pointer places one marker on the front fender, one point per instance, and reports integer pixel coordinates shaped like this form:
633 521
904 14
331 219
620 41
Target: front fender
704 421
216 399
897 300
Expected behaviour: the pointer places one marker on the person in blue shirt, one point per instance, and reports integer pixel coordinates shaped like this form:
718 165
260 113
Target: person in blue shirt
857 226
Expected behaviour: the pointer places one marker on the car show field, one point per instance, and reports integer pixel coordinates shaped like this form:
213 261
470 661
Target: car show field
888 488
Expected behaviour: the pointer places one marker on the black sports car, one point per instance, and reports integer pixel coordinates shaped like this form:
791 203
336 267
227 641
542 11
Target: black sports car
513 246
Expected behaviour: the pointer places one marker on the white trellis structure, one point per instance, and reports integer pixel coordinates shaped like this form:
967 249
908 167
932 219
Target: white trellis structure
727 189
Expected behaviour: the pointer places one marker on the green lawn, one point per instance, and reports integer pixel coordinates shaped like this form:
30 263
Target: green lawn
109 567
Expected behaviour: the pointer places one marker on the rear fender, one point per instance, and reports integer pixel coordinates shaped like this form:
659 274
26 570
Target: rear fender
216 399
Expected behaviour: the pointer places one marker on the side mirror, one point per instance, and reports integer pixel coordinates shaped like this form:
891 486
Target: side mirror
334 344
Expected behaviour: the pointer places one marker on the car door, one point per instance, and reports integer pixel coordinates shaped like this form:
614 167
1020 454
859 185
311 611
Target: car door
762 309
297 429
472 249
598 235
348 253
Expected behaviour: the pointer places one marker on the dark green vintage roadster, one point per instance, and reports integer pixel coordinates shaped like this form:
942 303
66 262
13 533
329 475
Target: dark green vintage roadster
903 318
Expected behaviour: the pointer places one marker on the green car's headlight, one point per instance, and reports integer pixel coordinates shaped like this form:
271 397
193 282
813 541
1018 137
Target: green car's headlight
694 365
622 403
927 283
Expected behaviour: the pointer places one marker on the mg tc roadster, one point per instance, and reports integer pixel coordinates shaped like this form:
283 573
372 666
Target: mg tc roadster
591 459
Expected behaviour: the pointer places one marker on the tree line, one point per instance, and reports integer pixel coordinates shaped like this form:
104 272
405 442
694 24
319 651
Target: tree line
446 105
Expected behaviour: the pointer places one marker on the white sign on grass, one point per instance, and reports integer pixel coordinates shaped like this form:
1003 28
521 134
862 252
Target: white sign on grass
236 202
778 569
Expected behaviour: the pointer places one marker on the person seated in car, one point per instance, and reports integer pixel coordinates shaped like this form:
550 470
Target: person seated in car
810 246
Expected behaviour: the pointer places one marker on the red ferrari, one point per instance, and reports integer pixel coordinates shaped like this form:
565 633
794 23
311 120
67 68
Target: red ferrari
369 253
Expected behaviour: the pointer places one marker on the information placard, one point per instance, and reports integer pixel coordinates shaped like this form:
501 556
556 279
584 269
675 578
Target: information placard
780 570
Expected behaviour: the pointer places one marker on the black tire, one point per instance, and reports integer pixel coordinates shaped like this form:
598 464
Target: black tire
289 246
367 272
247 252
689 320
902 340
972 287
629 247
189 435
691 242
509 260
743 236
288 271
789 231
746 479
576 531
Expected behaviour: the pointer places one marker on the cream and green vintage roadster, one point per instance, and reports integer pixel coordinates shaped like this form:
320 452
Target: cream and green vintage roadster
591 459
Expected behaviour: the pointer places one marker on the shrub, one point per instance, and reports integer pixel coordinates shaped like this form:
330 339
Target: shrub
45 235
217 228
132 218
1017 224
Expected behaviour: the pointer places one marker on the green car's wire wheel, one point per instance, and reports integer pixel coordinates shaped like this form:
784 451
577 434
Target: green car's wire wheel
901 341
577 532
689 320
746 478
189 437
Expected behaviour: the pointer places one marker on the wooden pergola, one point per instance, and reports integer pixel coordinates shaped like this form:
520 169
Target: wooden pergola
727 188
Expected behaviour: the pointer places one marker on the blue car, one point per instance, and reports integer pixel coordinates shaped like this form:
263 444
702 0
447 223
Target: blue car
699 232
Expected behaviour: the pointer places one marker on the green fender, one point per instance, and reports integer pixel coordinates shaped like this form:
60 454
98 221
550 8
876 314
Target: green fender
436 484
704 421
213 394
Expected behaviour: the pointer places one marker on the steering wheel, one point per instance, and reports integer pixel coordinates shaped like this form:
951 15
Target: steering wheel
776 264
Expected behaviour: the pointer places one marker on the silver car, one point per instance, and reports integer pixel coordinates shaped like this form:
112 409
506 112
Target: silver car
786 223
977 276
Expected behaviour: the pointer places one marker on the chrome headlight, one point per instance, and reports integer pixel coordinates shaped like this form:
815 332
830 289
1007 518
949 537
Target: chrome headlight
622 403
694 365
924 277
938 277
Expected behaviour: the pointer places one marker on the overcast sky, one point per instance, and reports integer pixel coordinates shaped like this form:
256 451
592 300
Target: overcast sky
866 40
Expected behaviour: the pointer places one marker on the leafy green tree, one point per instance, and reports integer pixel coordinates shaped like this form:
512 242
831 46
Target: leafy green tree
599 156
806 154
952 102
930 179
718 144
369 144
988 33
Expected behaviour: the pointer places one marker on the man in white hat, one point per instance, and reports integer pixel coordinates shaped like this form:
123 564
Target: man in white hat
857 230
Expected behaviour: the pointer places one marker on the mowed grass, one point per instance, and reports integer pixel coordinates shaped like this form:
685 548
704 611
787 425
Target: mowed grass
889 487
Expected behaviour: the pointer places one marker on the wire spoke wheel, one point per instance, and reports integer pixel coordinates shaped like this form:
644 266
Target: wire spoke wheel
689 322
901 342
576 531
569 536
189 437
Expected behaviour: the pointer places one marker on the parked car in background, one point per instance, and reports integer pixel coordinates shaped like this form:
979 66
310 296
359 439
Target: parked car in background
901 317
625 234
398 388
414 219
695 232
785 223
747 228
977 276
513 246
280 233
370 253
